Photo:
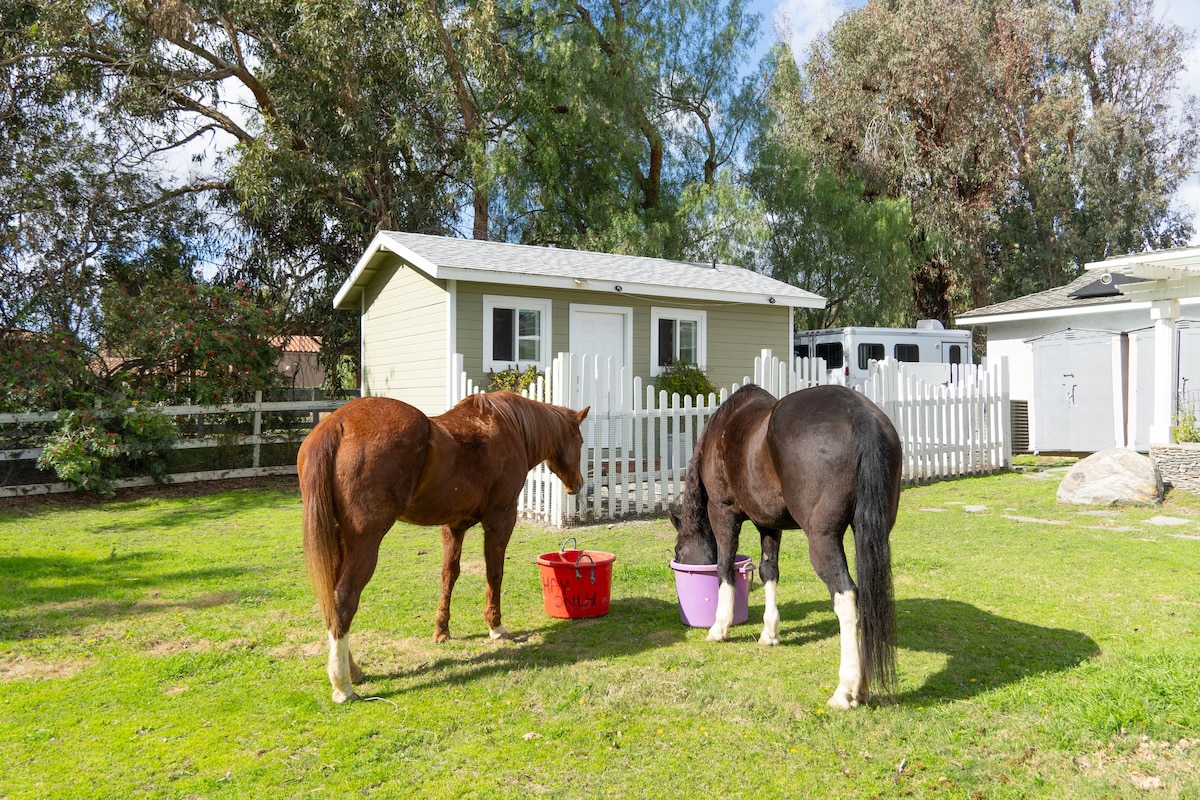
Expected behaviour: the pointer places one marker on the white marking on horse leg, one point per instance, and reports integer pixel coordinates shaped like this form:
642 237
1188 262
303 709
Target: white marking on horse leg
339 669
498 632
770 634
724 618
849 691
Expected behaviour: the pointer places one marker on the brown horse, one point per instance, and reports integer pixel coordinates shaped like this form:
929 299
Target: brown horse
819 459
376 460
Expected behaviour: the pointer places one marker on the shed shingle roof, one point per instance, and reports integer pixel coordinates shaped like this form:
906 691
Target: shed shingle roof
503 263
1050 300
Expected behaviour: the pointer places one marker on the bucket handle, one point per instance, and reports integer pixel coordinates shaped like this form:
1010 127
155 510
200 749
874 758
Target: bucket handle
582 556
570 539
748 567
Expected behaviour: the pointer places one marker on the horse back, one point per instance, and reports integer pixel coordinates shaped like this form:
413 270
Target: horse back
475 462
372 451
816 435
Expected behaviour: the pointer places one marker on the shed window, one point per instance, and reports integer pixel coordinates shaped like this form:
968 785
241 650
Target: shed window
515 333
868 352
677 337
907 352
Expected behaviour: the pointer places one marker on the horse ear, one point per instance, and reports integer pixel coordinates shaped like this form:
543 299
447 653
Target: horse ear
581 415
674 518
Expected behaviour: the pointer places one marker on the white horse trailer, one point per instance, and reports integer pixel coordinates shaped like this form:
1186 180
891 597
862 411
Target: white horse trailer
929 348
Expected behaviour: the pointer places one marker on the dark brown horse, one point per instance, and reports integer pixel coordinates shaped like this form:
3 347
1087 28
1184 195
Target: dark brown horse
819 459
376 460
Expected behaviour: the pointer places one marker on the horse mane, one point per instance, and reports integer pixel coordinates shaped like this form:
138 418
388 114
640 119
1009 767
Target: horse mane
541 426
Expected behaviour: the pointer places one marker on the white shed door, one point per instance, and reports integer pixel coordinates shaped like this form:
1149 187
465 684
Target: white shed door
602 334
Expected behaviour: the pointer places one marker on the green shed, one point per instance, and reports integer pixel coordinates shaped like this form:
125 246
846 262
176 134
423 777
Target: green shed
423 299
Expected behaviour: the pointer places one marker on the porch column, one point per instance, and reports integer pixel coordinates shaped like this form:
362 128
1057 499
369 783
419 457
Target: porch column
1164 313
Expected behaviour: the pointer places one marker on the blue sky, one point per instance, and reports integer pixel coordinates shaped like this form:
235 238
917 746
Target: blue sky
808 19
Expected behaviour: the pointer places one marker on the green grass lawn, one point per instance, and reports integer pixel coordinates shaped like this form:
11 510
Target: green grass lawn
171 648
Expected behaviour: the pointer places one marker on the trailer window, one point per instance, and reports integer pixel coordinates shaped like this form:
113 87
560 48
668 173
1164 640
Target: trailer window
955 354
800 351
907 352
832 353
868 352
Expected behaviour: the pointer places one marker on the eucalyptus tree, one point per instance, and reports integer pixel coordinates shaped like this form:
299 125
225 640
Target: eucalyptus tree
1029 138
624 107
823 232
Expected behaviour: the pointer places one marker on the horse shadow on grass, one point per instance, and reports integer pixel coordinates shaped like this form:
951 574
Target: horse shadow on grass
983 651
632 625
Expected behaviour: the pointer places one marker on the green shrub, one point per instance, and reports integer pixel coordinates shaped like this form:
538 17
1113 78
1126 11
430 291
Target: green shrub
513 379
1187 426
685 380
90 449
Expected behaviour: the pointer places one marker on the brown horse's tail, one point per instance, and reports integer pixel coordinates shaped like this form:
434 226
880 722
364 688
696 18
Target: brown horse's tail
322 546
876 487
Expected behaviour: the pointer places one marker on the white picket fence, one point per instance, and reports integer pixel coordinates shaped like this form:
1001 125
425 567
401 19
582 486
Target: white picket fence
638 440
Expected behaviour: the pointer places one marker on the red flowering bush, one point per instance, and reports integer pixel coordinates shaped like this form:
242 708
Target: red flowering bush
182 342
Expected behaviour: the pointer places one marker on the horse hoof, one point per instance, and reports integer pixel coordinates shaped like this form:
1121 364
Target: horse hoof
356 673
843 701
344 697
499 632
768 639
441 636
716 635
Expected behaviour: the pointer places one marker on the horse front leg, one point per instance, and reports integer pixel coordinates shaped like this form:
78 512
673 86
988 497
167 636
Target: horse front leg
452 544
768 570
725 528
496 533
829 560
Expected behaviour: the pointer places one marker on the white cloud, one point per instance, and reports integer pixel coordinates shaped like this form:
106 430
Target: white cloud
803 20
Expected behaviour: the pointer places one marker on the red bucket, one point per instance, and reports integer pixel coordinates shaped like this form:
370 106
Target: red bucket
576 583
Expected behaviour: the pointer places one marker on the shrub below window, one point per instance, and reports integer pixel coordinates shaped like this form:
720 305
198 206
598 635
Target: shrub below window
685 380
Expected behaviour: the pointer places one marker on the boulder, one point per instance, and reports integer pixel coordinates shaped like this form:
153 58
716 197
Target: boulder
1112 476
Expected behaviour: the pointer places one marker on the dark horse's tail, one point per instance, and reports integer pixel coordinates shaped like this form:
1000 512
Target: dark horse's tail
876 485
322 550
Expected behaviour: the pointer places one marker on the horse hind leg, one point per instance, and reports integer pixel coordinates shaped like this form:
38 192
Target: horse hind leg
452 544
357 569
829 560
852 688
768 571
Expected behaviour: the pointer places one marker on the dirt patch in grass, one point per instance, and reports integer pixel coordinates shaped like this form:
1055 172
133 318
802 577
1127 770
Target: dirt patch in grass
16 668
1150 765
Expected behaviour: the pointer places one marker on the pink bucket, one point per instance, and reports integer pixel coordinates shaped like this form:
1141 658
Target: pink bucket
697 586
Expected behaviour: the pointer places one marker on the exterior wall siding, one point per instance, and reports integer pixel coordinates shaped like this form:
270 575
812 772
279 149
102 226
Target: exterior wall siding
404 330
737 333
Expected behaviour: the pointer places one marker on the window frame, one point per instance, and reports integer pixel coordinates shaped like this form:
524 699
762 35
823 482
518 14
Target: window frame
542 305
699 316
867 353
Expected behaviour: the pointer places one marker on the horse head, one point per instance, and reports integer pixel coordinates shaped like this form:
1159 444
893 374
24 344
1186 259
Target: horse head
564 462
695 542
